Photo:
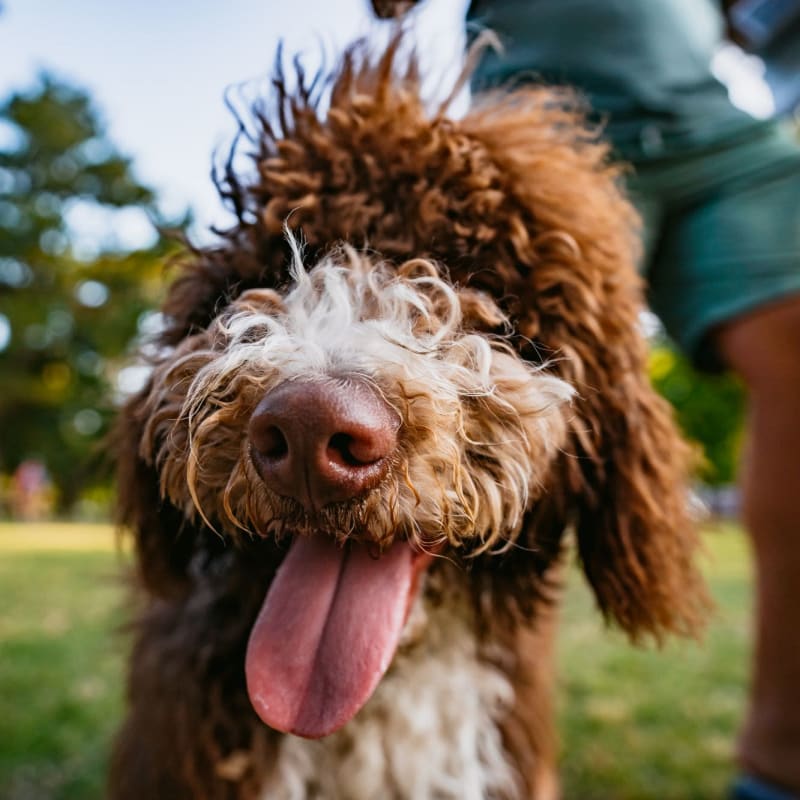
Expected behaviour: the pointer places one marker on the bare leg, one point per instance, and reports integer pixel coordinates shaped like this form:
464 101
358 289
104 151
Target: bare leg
764 349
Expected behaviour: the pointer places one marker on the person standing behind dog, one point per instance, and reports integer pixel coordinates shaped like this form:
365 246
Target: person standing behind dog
719 193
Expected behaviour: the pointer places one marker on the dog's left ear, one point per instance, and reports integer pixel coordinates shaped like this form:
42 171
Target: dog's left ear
635 533
568 252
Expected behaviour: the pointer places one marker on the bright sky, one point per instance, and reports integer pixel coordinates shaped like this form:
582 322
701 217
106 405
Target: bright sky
158 70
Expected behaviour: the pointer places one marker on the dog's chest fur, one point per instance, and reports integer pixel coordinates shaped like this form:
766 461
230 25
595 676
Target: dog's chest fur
430 731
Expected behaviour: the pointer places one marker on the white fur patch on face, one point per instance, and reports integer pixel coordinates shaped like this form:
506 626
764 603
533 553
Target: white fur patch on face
356 318
431 730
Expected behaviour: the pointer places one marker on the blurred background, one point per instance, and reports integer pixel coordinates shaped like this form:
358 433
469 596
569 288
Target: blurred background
109 115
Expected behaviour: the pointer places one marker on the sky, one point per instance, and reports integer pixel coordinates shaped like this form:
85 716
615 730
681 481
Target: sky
158 69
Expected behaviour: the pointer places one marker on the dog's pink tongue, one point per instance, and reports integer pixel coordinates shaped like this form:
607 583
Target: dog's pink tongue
326 633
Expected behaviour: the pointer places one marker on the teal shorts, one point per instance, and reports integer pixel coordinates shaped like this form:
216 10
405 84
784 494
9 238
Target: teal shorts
722 232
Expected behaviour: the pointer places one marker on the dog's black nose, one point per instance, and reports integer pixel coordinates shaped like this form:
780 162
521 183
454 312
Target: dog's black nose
324 441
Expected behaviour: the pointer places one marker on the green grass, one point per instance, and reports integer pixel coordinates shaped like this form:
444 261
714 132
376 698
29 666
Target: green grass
656 724
636 725
60 692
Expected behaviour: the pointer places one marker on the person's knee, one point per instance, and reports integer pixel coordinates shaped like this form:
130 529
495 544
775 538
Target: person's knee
763 347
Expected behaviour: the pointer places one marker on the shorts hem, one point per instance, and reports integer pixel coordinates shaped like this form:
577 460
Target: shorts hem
694 337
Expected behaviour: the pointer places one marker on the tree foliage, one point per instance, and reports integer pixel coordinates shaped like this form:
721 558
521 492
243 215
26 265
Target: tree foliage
74 287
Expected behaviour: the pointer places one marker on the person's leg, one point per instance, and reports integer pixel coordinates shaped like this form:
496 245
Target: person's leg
763 347
725 280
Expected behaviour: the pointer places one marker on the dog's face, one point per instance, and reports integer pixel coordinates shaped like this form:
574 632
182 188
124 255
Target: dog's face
367 418
432 431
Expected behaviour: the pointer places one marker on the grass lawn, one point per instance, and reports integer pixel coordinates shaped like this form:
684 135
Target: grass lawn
656 724
637 725
60 692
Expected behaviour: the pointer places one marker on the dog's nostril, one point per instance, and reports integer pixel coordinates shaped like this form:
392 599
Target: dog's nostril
339 449
272 443
354 451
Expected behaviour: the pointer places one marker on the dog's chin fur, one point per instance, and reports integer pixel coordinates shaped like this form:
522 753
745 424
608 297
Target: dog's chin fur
478 275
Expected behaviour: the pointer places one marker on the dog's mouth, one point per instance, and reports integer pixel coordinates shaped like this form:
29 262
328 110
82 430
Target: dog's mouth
327 632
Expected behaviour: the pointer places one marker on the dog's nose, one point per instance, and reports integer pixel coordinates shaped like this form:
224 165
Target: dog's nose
322 442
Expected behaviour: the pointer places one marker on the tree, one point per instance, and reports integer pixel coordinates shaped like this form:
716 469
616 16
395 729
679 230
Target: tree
74 289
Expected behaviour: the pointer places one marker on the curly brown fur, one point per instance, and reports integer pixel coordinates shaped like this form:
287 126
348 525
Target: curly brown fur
519 205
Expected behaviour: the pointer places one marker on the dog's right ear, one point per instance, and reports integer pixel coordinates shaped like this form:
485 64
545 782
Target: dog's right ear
164 547
568 255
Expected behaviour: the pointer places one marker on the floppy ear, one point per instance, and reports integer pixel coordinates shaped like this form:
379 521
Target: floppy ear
570 257
635 535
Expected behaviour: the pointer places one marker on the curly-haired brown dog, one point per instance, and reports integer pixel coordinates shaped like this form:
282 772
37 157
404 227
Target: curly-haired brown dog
355 461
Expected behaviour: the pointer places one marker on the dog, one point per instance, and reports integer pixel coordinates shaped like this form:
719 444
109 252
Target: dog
381 407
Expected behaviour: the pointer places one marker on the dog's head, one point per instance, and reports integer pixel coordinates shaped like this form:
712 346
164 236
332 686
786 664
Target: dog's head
364 417
365 407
